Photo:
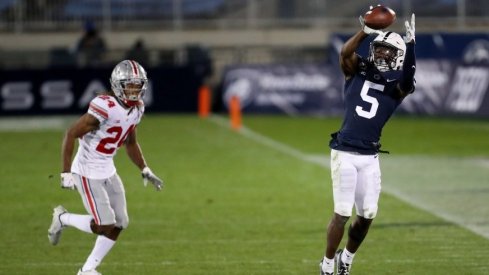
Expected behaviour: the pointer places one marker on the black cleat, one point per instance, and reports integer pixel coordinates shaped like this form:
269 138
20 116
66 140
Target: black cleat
341 267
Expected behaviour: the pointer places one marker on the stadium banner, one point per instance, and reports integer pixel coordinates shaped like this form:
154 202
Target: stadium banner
445 87
291 89
453 46
454 81
69 90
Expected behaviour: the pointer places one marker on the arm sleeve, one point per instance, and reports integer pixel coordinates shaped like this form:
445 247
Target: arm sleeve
407 83
98 108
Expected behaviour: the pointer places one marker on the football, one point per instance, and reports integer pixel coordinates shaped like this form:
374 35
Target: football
379 17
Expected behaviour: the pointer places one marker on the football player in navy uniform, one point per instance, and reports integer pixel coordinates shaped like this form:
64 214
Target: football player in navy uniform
374 87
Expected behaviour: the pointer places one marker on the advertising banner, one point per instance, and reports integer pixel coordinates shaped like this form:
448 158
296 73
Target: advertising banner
68 91
455 81
289 89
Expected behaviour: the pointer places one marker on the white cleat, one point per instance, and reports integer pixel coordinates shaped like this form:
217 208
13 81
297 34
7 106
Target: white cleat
54 231
89 272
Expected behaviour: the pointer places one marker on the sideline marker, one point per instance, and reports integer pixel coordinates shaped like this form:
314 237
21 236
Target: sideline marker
235 113
204 101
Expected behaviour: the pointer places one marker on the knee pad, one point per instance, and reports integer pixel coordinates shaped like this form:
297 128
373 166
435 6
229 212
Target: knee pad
123 223
369 212
343 209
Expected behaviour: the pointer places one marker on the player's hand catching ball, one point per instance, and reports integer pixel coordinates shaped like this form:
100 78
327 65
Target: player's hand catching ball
377 19
410 30
149 176
367 29
67 181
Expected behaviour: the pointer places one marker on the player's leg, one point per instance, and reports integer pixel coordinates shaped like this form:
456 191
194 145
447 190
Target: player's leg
109 233
62 218
344 177
334 235
366 203
368 188
97 203
101 248
117 196
356 234
80 221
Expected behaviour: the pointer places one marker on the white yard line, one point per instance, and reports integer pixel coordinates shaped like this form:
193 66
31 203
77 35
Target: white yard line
392 189
25 124
482 162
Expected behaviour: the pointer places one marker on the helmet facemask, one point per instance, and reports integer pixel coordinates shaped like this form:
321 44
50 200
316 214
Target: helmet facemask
130 91
384 56
387 52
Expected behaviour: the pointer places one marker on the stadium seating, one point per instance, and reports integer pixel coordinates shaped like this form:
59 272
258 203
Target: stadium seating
140 8
5 4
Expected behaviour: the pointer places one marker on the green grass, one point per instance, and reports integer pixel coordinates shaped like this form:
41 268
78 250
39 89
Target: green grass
235 206
402 135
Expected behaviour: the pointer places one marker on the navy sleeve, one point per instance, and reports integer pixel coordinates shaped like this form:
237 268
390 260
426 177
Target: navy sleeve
407 82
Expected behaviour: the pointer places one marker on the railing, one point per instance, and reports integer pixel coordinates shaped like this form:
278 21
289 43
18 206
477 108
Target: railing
27 15
117 16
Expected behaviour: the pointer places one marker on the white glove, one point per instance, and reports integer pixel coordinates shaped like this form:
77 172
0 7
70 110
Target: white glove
410 29
149 176
367 29
67 181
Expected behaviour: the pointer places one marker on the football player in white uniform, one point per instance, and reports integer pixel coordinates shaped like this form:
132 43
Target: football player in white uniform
109 123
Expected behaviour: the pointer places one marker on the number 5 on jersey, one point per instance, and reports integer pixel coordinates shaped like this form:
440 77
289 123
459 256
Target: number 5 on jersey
370 99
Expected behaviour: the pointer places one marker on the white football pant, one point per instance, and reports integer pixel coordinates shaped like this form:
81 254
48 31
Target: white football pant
104 199
356 181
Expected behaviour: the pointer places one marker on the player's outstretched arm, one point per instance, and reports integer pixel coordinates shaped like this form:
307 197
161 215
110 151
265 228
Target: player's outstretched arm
410 30
136 155
367 29
348 56
407 82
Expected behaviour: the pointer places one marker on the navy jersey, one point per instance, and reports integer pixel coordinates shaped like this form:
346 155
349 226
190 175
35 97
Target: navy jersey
370 98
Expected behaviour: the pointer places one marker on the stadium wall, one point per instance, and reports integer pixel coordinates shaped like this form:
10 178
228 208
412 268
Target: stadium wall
170 39
57 91
452 79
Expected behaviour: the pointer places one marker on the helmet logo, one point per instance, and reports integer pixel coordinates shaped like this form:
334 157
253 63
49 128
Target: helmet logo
134 67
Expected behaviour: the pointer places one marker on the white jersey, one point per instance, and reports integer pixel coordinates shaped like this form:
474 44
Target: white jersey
96 149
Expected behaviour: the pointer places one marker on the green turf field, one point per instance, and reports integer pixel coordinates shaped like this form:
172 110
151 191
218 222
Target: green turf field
257 201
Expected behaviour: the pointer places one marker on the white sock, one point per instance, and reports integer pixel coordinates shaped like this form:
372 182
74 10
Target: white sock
101 248
82 222
347 256
327 265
